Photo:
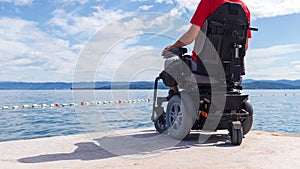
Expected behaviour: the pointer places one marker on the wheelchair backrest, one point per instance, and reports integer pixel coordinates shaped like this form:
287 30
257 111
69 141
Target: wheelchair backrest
226 34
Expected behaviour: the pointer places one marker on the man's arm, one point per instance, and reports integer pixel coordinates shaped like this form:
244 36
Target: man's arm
185 39
247 44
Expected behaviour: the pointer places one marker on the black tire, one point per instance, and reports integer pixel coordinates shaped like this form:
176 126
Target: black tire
160 123
247 124
180 116
236 136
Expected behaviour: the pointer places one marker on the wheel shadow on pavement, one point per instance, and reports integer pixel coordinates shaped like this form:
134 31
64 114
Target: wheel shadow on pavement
142 144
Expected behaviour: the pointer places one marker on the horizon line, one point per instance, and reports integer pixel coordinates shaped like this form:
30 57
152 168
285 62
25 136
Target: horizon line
127 81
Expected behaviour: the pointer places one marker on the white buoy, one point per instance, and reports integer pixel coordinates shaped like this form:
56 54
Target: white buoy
35 105
5 107
44 105
26 106
15 107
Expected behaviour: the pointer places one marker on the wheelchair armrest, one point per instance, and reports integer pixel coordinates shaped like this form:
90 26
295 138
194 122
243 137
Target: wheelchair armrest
175 52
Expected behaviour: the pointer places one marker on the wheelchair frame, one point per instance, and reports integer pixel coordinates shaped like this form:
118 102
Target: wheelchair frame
227 28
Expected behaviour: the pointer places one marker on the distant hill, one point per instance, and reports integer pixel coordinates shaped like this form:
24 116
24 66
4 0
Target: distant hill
247 84
34 86
269 85
81 85
289 82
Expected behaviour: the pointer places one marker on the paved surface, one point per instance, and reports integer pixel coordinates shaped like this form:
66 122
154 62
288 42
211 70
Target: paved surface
144 148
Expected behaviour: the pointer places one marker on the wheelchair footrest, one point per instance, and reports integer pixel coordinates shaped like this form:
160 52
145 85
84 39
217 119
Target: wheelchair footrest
158 110
160 100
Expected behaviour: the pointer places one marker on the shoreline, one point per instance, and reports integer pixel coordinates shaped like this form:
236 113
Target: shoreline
144 148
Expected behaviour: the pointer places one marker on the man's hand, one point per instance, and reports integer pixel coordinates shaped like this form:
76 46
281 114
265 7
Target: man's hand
166 49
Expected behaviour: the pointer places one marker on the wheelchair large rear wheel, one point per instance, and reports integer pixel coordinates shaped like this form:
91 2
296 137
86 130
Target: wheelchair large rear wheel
247 124
180 116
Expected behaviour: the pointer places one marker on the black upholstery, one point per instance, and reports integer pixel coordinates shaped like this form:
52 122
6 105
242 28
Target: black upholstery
226 34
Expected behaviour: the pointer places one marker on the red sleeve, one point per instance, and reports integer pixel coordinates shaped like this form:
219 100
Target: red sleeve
202 13
206 8
249 19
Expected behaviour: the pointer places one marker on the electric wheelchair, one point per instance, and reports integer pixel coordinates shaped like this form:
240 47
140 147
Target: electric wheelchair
210 98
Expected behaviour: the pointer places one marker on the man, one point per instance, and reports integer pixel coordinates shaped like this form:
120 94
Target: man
205 9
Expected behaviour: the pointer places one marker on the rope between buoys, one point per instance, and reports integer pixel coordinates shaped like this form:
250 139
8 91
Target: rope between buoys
57 105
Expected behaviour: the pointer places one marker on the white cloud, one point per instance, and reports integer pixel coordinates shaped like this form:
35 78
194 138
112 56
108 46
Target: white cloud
82 27
183 28
146 7
181 6
296 62
25 47
124 60
279 50
165 1
18 2
272 8
81 2
177 12
188 4
52 56
258 8
138 0
273 73
116 51
273 62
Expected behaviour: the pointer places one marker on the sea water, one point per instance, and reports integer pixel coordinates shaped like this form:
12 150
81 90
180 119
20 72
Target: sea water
274 111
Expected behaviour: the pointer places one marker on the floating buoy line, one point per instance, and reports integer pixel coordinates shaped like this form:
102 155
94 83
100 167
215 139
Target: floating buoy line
273 95
57 105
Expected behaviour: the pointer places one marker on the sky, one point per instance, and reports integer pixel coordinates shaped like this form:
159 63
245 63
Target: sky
105 40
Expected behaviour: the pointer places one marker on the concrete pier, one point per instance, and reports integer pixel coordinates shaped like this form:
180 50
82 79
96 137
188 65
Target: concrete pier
144 148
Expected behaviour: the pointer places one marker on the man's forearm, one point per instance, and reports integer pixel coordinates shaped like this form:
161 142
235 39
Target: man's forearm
185 39
178 44
188 37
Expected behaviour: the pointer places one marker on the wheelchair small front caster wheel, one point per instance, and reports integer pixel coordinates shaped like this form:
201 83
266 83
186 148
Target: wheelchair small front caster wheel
160 123
236 136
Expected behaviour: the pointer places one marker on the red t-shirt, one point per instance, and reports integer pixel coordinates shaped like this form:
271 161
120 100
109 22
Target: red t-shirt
207 7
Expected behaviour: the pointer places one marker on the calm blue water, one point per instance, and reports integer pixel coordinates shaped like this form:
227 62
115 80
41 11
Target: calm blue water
274 112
